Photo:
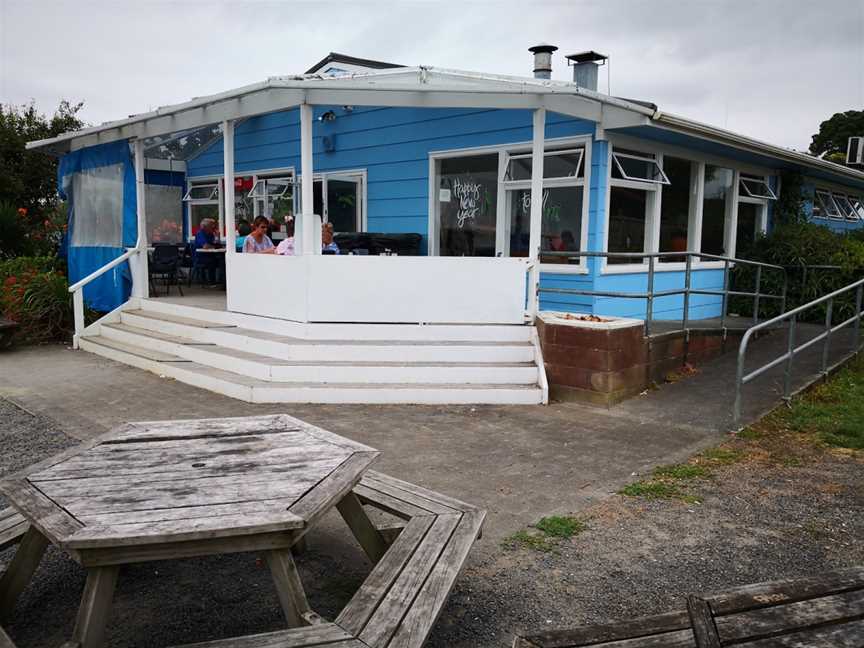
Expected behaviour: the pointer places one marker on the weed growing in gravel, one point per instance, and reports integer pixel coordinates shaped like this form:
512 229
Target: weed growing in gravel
723 456
545 535
560 526
681 472
666 483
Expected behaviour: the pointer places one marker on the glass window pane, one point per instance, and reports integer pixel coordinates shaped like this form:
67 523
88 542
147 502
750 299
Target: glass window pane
555 165
198 212
756 188
747 230
627 222
164 209
467 203
675 208
827 206
97 207
857 207
561 230
637 166
208 191
342 204
718 190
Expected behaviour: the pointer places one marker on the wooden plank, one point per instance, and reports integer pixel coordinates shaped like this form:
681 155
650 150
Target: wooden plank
400 597
702 623
361 526
6 515
760 595
389 503
457 505
326 435
170 550
333 488
845 635
426 504
324 634
13 534
40 511
98 472
419 620
95 607
278 504
183 530
610 632
390 531
202 428
364 603
20 572
289 588
756 624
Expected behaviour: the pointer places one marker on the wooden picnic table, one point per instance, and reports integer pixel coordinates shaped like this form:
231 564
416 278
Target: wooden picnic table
179 489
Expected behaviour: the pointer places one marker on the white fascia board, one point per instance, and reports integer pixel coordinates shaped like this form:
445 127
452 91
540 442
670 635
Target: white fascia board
706 131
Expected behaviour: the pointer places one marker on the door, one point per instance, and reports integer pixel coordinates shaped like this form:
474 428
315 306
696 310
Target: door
338 199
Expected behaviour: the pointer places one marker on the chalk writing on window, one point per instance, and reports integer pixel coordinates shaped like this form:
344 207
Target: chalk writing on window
468 194
551 213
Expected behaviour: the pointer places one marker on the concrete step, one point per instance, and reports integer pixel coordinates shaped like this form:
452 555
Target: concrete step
260 391
133 349
334 331
297 349
263 367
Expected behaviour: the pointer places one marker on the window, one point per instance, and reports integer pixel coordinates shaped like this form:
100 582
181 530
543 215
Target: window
273 196
627 210
675 207
97 207
857 204
845 206
825 207
748 229
468 200
203 200
716 204
556 164
205 191
164 208
755 187
639 167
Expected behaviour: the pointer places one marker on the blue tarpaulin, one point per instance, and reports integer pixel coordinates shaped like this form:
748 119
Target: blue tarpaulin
102 218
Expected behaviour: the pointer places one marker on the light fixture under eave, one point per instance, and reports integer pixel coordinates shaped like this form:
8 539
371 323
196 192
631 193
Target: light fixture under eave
328 116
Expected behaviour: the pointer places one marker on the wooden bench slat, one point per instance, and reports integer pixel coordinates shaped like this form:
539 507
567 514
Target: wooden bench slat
418 621
790 590
400 598
364 603
598 634
315 635
432 507
846 635
799 615
12 534
434 496
53 522
388 503
332 489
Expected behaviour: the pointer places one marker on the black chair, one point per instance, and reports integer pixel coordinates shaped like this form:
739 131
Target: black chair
164 265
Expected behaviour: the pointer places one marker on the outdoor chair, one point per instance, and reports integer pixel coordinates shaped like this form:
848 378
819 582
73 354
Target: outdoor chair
165 266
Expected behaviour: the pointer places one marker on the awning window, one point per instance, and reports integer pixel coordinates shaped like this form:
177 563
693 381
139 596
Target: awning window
754 187
639 168
556 165
825 207
208 192
845 205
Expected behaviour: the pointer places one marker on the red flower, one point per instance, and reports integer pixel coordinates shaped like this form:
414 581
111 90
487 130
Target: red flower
10 281
22 212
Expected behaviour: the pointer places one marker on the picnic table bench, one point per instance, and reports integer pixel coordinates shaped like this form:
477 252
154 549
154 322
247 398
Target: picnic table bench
416 565
820 612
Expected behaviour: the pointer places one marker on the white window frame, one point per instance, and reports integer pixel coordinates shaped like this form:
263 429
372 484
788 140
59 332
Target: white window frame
846 208
528 156
857 202
646 158
502 219
694 234
213 197
759 182
821 196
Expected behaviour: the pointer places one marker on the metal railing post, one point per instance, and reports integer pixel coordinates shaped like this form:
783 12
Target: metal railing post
78 314
756 296
739 380
856 335
790 351
649 311
688 266
725 294
784 293
827 344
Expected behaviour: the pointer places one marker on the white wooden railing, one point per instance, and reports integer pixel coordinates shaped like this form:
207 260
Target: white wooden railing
77 290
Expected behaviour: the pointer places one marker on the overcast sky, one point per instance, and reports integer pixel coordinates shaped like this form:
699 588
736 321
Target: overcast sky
771 69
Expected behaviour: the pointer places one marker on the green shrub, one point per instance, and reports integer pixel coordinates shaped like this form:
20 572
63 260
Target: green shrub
36 295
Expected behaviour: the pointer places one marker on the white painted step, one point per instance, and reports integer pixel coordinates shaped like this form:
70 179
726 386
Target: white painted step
133 349
298 349
257 391
266 368
334 331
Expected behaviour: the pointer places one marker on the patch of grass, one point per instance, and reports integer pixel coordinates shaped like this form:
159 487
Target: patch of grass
723 456
750 433
681 472
526 540
560 526
651 490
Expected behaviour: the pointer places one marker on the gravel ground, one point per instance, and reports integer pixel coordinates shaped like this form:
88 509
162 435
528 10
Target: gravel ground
758 521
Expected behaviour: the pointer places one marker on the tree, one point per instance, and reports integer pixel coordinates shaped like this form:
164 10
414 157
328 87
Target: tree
28 179
833 136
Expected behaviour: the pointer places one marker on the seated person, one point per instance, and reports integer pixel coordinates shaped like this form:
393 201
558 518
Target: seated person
327 242
206 239
243 230
257 242
286 246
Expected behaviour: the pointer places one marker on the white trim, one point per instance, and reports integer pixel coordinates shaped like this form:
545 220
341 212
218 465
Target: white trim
191 183
768 193
663 180
228 164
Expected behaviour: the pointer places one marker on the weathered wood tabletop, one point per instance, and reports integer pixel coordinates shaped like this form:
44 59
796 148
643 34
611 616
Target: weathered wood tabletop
173 489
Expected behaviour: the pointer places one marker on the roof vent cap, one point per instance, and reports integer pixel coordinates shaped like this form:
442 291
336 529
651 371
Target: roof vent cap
542 60
585 66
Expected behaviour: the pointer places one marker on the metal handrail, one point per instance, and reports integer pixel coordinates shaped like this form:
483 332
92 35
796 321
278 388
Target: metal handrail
650 295
791 349
77 290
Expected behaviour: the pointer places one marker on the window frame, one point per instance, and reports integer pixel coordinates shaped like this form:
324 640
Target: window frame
664 180
192 183
742 183
842 201
505 152
819 196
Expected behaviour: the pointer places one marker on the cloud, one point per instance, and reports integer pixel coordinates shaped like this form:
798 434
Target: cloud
772 69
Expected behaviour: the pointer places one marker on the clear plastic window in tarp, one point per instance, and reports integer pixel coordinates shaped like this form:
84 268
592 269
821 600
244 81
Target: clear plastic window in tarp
164 208
97 207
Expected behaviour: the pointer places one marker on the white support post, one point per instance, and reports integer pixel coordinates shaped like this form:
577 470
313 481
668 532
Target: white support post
141 276
308 244
228 168
536 218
